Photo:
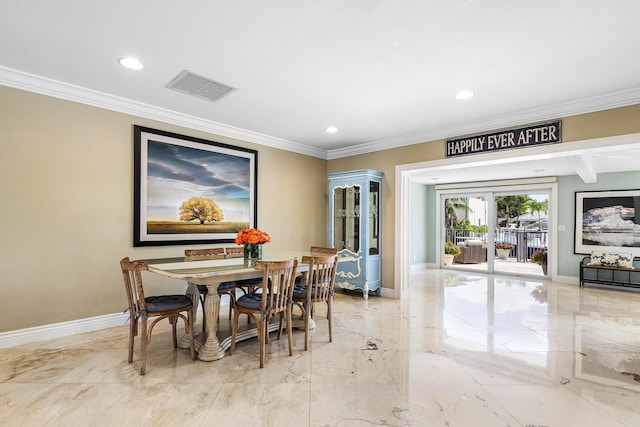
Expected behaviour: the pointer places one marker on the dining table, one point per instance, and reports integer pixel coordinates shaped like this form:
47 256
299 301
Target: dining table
212 343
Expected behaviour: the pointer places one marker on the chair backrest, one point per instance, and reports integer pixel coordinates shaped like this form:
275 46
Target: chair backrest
277 284
321 250
321 277
234 252
133 284
209 253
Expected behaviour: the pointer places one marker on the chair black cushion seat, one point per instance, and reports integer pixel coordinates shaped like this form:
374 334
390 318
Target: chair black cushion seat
300 291
254 281
166 302
251 285
226 286
252 301
300 282
221 287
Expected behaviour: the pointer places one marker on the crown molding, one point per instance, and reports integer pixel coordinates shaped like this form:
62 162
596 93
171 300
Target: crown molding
57 89
587 105
45 86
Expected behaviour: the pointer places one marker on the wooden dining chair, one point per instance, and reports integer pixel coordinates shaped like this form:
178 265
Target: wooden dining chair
317 288
225 288
160 306
234 252
315 251
321 250
275 298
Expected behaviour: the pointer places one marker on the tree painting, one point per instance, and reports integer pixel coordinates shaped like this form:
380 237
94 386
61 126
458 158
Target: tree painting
202 209
191 190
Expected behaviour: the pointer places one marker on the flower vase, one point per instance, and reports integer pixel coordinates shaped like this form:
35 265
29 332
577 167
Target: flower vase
253 251
544 269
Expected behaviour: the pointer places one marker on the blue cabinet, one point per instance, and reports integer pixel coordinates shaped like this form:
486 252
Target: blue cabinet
354 228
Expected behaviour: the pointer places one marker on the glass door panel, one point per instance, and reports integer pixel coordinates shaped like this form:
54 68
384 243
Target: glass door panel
374 218
465 224
521 232
346 216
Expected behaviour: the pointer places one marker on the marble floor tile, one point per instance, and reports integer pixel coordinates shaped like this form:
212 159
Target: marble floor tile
262 404
74 404
161 404
363 366
459 349
358 406
539 405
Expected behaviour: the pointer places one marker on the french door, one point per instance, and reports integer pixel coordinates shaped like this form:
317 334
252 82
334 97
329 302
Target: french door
522 225
466 224
498 229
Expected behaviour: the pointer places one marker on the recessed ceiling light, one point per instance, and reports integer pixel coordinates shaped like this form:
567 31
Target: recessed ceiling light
131 63
332 129
464 94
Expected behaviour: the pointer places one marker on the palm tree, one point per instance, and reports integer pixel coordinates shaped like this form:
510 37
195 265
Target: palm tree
538 206
451 208
511 206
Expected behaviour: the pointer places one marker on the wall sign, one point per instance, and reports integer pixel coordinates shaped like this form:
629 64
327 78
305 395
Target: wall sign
537 134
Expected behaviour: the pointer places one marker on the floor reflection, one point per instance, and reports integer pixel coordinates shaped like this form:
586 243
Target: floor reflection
512 313
544 324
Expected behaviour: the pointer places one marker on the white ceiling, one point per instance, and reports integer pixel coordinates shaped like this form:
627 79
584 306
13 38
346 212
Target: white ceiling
384 72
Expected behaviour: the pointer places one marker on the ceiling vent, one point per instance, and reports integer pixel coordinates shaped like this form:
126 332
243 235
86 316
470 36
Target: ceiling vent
202 87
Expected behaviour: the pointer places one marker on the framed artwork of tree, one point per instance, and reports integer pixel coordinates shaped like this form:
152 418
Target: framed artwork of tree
191 191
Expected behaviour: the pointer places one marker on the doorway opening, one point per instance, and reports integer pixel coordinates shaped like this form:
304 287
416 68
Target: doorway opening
522 229
496 230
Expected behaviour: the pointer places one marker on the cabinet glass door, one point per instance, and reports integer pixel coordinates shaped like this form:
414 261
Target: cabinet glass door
346 218
374 218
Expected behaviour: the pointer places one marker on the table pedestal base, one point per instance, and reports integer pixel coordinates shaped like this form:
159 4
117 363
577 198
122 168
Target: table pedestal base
213 344
211 350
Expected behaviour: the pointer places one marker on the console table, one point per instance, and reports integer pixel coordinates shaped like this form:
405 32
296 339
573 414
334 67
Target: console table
609 275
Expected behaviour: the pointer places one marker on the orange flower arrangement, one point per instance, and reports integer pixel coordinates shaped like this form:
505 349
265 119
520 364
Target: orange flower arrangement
252 236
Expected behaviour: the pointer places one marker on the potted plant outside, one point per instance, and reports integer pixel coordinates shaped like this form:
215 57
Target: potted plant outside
503 249
451 250
540 258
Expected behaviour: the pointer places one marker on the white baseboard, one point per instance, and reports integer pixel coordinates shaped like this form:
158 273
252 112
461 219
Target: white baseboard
572 280
418 267
388 293
63 329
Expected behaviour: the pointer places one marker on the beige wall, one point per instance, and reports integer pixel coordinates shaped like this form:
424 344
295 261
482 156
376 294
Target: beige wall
66 211
613 122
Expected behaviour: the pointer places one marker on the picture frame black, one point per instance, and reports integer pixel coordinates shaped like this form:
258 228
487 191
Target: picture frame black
606 222
172 170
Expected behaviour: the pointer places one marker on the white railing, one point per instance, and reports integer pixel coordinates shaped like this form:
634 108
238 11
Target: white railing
525 242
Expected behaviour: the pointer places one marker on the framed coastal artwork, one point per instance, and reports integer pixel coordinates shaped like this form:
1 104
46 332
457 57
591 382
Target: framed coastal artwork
189 190
606 221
